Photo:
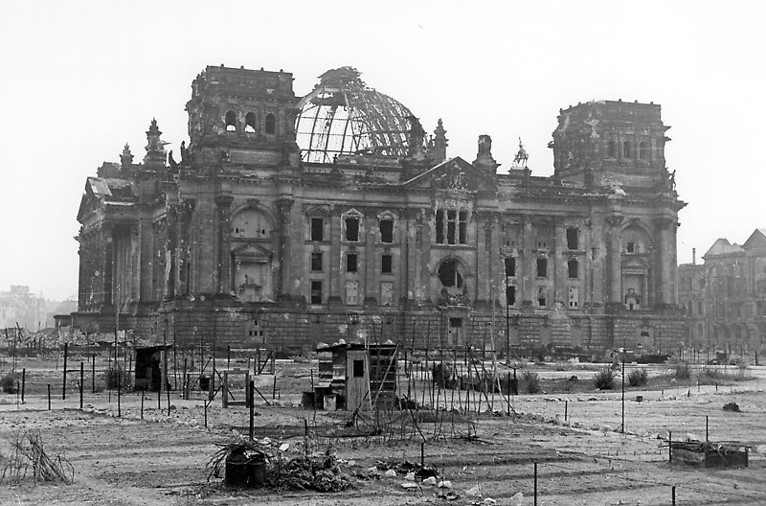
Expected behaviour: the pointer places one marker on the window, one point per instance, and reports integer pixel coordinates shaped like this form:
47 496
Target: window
574 297
231 121
574 267
270 124
573 241
387 293
316 261
351 262
451 226
510 295
352 293
352 229
643 151
250 122
463 227
316 292
317 229
449 275
611 149
626 147
510 267
542 267
630 247
542 296
387 231
386 264
358 368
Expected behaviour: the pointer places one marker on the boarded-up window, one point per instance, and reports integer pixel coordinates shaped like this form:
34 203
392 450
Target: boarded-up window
387 293
352 293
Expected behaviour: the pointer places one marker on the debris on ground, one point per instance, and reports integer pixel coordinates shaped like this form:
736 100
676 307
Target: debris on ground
27 452
731 406
411 469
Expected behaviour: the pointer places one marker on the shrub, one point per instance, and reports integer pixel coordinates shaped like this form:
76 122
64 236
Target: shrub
8 383
117 376
604 379
682 370
531 382
637 377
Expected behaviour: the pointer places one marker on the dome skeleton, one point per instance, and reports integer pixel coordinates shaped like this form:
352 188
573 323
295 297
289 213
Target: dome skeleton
343 116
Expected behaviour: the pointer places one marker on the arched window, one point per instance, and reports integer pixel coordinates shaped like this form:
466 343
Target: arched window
250 122
611 149
231 121
574 267
643 151
449 275
270 124
626 150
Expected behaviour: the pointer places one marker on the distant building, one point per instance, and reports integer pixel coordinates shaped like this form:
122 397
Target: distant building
20 306
288 221
725 299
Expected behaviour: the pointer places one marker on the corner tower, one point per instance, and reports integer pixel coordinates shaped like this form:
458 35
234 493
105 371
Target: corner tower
611 141
242 115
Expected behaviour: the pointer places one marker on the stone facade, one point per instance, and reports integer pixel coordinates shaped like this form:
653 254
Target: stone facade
725 298
288 222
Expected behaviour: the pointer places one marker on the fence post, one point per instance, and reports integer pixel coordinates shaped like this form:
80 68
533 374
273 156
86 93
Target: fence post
23 383
251 401
63 389
49 396
535 491
82 380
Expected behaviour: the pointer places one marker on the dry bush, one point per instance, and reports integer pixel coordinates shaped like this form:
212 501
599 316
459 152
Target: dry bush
27 453
531 382
638 377
682 371
604 379
8 383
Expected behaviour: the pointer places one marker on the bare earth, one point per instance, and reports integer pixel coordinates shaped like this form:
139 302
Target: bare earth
584 460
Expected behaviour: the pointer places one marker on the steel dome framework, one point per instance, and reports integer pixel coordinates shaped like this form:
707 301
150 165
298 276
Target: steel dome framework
343 116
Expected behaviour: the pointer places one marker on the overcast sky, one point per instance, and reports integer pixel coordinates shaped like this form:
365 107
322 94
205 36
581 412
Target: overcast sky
79 79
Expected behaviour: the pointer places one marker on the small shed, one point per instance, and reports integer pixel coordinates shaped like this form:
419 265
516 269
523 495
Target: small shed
359 376
151 366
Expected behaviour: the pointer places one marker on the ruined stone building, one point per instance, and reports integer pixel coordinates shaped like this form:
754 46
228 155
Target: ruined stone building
288 220
725 298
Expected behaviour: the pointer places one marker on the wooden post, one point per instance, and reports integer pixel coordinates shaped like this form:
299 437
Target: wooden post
49 396
143 392
185 393
670 446
251 401
82 381
225 390
422 455
119 395
228 356
274 390
707 436
622 429
535 490
205 403
93 375
566 410
167 392
673 495
23 383
66 354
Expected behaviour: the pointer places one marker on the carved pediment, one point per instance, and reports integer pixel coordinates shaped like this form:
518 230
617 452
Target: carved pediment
252 253
453 176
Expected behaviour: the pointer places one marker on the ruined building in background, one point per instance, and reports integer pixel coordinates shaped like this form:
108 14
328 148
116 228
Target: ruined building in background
725 298
287 221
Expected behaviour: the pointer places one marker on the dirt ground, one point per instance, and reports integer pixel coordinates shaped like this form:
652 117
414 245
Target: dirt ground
487 458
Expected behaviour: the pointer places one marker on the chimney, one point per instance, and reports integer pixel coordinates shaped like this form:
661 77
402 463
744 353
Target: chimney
694 256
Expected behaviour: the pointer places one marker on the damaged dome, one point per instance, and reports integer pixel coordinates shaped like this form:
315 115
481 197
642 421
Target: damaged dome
343 116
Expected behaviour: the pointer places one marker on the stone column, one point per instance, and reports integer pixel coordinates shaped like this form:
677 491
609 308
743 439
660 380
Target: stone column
528 265
614 254
664 261
333 262
370 258
170 257
223 203
284 208
107 261
559 267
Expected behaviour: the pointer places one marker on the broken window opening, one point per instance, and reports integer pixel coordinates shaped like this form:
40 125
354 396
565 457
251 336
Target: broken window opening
250 122
230 121
351 262
630 247
451 226
352 229
358 368
510 267
316 261
542 296
542 267
463 227
270 124
317 229
386 264
440 227
387 231
573 238
316 292
574 268
611 150
449 275
510 295
574 297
